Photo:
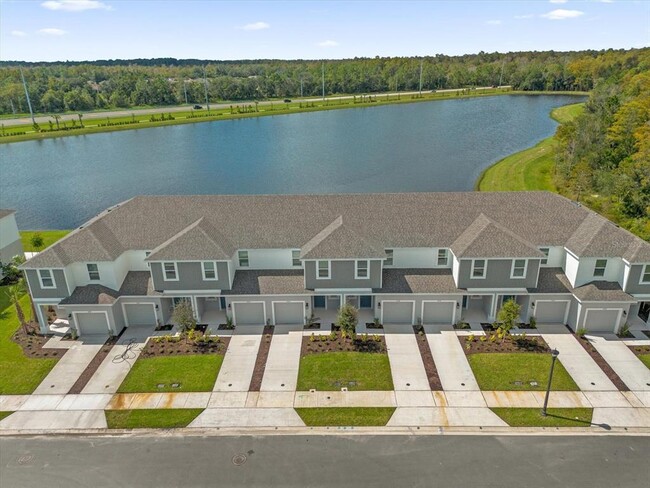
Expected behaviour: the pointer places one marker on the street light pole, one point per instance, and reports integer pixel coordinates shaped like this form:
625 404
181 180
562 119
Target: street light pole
554 354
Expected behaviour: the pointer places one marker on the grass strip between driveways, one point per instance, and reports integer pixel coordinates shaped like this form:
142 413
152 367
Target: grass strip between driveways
645 359
4 415
332 371
557 417
165 418
191 372
345 416
515 371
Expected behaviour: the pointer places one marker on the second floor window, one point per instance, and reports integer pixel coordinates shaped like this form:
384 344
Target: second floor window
362 269
93 271
443 258
170 272
243 259
47 278
599 269
209 270
389 257
295 258
323 271
478 268
645 275
518 268
545 251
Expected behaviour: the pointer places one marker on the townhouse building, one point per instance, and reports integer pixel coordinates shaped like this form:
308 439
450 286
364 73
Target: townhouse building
10 244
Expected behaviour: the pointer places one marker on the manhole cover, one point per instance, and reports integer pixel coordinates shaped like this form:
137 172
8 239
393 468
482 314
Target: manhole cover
27 458
239 459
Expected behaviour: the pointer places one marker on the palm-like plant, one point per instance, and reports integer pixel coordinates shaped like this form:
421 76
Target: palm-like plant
15 293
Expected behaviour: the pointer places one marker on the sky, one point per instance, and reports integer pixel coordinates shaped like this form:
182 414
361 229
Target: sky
74 30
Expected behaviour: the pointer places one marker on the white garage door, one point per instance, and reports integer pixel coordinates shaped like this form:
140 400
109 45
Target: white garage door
249 314
438 313
140 314
289 313
397 312
550 312
92 323
601 320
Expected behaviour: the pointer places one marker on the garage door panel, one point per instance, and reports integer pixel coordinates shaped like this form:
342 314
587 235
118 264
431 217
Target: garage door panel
289 313
397 312
550 312
438 313
92 323
598 320
140 314
249 314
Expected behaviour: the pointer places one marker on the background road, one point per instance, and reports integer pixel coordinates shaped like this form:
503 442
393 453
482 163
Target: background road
314 461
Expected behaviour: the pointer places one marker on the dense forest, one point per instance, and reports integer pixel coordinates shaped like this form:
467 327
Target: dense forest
80 86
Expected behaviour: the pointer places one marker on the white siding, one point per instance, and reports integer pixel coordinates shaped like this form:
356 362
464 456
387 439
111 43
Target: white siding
455 267
8 230
555 257
571 268
585 272
414 257
267 259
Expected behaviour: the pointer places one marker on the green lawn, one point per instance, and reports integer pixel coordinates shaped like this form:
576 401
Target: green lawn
557 417
500 371
49 236
164 418
194 373
368 371
645 359
19 375
345 416
4 415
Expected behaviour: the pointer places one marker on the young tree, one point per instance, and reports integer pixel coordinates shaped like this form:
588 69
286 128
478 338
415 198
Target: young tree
184 316
37 241
508 315
347 319
15 293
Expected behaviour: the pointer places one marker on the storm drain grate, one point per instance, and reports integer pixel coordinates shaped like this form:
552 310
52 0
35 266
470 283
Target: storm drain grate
239 459
25 459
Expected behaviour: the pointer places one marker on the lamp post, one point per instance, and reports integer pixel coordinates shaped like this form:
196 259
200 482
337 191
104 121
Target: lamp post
554 354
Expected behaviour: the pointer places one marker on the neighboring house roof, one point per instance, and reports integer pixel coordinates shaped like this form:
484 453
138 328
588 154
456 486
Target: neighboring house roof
199 240
268 282
5 211
338 240
373 221
91 295
554 281
418 281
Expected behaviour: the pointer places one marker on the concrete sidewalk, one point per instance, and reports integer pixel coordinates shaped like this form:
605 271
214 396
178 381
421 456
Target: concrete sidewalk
445 417
453 368
281 371
406 363
248 417
627 366
238 364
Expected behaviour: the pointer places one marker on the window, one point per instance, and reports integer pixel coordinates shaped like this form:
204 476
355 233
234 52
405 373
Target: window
47 278
209 270
323 270
389 257
599 269
93 271
478 268
170 272
146 255
518 268
443 258
243 259
544 250
362 269
295 258
645 275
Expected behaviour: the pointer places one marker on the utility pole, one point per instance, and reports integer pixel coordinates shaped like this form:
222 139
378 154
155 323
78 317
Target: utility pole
421 62
29 103
185 90
323 79
205 87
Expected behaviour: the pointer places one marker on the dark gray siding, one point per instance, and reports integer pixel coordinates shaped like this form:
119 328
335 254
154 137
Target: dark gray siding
633 279
342 276
190 277
61 290
498 275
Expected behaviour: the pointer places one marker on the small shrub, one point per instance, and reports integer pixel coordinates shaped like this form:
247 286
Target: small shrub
332 336
581 332
470 338
483 338
376 338
312 337
323 338
533 322
364 337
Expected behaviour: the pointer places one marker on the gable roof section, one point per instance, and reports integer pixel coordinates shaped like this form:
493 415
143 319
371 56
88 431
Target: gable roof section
338 240
5 211
91 295
598 237
200 240
484 238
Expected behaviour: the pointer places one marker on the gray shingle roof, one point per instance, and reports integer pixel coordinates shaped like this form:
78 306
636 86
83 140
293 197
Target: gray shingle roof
338 240
553 280
5 211
418 281
291 221
598 237
138 283
268 282
91 295
199 240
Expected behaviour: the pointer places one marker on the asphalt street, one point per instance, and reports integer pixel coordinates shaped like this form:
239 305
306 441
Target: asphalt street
315 461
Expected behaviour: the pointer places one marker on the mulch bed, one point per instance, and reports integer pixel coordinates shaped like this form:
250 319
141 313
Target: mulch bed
32 344
317 344
427 358
226 327
372 325
160 346
638 350
314 326
164 327
90 370
462 326
600 361
507 345
262 355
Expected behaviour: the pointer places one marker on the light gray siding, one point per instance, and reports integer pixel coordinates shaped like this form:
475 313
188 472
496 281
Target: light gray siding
633 279
12 249
498 275
61 290
190 277
115 320
342 276
418 299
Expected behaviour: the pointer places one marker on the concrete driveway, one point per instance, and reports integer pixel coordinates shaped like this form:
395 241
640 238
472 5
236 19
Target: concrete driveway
238 364
627 366
406 364
283 362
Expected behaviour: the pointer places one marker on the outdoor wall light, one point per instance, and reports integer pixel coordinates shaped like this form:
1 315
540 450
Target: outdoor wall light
378 304
532 304
229 306
156 306
624 313
306 304
457 305
69 316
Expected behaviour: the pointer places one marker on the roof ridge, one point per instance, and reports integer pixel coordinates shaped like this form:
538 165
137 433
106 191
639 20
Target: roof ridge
176 236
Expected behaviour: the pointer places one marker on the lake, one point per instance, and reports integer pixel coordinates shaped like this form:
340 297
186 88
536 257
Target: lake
432 146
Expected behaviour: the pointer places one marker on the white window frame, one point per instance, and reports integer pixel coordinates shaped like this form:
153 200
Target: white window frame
329 269
474 267
203 269
164 271
90 273
445 257
514 267
546 251
51 277
295 256
596 267
146 255
645 270
390 256
357 276
240 258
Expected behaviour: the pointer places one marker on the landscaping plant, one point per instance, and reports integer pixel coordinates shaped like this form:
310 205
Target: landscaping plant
184 316
347 319
508 315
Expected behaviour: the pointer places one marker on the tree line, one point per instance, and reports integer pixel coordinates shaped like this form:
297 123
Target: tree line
79 86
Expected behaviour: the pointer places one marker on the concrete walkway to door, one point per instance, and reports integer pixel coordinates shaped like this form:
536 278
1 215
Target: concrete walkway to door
238 364
281 371
405 361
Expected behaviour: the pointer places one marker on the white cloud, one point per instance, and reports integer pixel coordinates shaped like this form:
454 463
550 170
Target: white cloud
51 31
75 5
562 14
525 16
558 1
328 43
256 26
493 22
18 33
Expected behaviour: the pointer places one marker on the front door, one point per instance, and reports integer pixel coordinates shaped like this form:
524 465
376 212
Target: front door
644 311
365 301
